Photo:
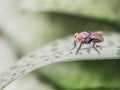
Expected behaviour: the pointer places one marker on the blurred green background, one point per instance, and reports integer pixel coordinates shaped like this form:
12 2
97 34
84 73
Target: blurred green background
26 25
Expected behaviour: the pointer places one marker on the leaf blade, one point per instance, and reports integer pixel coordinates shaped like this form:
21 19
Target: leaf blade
59 51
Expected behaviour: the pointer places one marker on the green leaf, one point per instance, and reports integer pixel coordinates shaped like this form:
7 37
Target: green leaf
26 31
59 51
85 74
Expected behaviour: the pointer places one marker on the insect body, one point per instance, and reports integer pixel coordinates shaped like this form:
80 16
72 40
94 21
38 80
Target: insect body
87 38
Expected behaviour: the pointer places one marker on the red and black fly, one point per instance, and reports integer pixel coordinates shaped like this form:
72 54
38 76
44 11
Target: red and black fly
87 38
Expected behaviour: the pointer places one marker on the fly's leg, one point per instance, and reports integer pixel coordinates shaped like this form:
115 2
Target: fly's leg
79 47
97 45
74 45
89 33
94 43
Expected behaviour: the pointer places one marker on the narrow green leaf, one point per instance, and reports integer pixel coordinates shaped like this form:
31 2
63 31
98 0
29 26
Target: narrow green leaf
59 51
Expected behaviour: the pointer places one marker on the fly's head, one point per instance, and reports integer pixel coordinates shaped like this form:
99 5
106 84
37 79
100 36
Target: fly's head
78 37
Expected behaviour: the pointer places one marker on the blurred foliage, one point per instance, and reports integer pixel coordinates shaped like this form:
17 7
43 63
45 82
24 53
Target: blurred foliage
29 82
84 74
29 24
103 9
25 28
7 54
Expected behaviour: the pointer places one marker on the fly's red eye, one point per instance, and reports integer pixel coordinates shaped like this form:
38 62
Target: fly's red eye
80 37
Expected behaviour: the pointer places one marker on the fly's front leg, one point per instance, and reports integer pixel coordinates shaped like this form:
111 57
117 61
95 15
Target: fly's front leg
79 47
74 45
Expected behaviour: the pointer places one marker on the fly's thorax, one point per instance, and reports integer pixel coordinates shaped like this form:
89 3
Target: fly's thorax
84 34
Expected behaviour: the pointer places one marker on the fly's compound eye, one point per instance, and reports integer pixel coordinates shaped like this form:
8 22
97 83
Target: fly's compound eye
80 37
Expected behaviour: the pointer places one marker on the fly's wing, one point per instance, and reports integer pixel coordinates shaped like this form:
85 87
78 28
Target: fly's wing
98 32
98 36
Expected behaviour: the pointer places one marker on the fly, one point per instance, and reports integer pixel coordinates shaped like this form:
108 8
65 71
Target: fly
87 38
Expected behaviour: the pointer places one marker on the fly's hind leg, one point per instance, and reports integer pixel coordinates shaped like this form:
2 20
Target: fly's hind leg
94 43
97 45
